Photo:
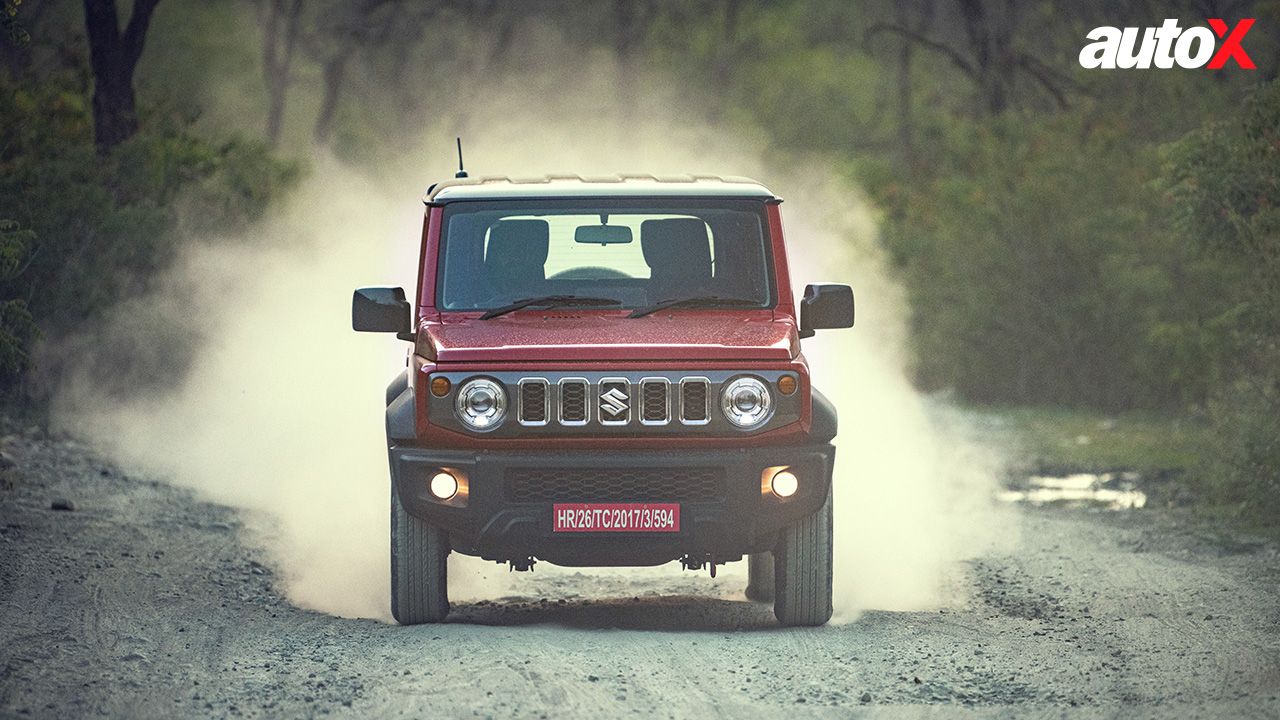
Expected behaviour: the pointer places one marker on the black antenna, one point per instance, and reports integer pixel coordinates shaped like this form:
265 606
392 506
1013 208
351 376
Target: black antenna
462 172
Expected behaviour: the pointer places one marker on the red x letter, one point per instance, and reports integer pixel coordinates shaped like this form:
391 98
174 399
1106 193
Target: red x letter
1231 44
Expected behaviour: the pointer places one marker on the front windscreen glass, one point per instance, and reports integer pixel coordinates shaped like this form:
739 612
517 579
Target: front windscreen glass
638 252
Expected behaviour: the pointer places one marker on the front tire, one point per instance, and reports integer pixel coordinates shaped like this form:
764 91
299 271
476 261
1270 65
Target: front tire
802 571
419 568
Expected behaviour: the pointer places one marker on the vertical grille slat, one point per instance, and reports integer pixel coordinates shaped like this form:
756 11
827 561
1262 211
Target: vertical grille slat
694 408
573 402
534 403
655 401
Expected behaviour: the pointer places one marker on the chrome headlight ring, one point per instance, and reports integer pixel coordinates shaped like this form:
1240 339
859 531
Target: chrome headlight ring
746 402
481 404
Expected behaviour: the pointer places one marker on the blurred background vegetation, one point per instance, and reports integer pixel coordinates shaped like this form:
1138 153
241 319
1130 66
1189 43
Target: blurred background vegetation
1104 243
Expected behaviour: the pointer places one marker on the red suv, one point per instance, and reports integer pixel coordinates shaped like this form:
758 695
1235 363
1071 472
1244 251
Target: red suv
607 371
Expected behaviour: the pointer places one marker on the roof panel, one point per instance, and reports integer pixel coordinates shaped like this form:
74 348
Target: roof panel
626 185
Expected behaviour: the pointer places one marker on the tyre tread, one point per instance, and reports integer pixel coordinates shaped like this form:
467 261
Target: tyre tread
419 568
802 571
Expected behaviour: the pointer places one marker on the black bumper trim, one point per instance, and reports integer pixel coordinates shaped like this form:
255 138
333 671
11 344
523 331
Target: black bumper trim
493 527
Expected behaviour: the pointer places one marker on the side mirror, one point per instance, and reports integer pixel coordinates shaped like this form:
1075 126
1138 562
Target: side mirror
825 305
381 309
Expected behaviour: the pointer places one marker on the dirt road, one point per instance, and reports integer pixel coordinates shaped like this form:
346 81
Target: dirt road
145 602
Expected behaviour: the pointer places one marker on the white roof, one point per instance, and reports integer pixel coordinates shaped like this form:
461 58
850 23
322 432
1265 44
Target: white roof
561 186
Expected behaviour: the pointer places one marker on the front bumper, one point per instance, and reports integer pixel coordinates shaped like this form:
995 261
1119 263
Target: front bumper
498 522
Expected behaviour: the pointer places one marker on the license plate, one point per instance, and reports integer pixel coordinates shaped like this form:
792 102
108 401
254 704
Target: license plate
617 517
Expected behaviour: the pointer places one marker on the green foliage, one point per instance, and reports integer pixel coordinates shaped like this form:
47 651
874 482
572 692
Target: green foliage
101 228
1242 469
1223 182
10 25
1224 188
1056 439
17 332
17 328
15 246
244 178
1038 266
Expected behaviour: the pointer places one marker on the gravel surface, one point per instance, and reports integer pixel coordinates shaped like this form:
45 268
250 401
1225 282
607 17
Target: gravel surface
126 597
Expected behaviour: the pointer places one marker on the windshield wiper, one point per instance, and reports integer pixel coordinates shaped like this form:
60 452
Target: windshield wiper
549 301
708 300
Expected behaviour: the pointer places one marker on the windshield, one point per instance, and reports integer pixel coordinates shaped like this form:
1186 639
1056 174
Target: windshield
639 252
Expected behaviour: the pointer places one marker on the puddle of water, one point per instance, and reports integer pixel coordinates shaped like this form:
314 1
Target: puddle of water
1113 491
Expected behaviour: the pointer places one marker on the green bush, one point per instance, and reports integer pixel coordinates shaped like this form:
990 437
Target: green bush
17 328
1039 267
1243 471
1223 184
102 228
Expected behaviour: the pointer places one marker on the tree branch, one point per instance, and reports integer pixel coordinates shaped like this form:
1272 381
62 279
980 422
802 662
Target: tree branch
1050 78
1045 82
136 33
956 58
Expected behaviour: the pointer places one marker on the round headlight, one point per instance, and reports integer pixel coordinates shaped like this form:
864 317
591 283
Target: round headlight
481 404
746 402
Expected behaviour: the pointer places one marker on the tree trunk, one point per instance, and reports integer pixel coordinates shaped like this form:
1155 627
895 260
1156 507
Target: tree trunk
334 70
991 41
113 58
279 35
630 18
906 125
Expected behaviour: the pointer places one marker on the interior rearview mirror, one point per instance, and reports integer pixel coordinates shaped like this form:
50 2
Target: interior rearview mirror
825 305
602 234
381 309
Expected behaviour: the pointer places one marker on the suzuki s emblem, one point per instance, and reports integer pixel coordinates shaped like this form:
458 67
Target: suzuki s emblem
614 402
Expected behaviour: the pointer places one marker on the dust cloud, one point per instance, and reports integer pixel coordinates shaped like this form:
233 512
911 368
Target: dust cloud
913 488
280 413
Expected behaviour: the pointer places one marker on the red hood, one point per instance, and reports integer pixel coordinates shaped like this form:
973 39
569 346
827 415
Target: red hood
565 336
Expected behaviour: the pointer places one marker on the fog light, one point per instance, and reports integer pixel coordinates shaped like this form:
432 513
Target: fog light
440 386
784 483
444 486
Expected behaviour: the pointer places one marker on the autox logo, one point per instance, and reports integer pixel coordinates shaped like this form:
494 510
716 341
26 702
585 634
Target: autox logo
614 405
1168 45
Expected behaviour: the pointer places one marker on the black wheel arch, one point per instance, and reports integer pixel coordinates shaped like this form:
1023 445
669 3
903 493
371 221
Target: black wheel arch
400 410
824 424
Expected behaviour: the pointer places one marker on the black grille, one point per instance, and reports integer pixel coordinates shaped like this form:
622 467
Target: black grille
654 393
573 401
693 401
614 484
533 402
